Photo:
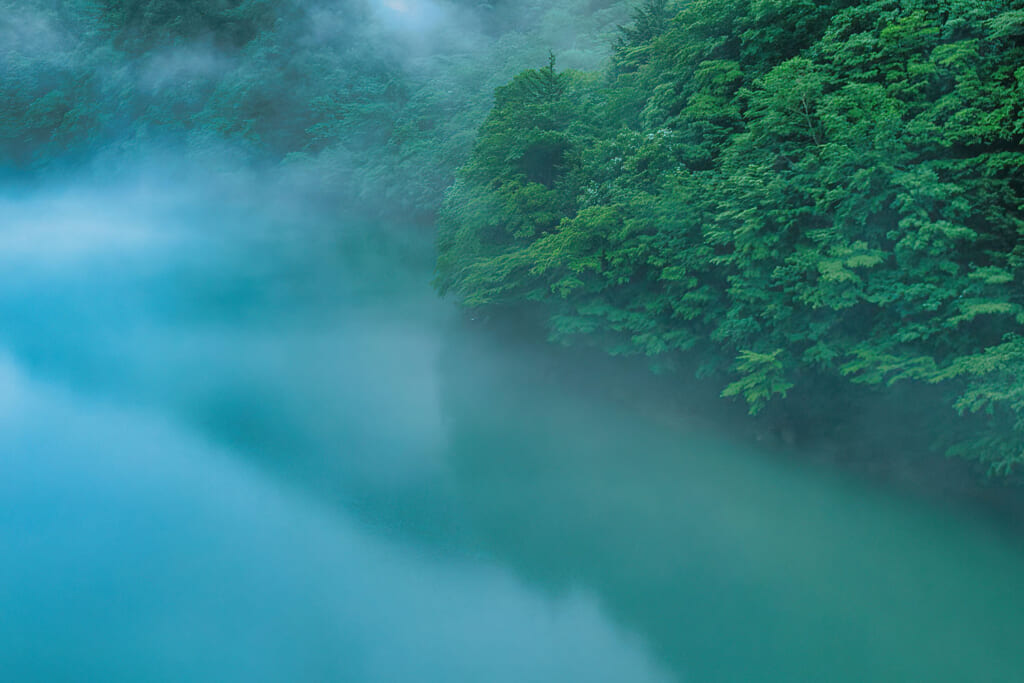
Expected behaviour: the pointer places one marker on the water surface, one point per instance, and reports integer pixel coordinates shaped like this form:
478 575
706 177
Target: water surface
246 442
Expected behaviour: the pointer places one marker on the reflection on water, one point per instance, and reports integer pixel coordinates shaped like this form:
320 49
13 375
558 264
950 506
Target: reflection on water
211 458
136 551
734 566
234 446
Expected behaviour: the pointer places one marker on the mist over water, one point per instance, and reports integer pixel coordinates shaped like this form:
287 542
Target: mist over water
241 439
169 405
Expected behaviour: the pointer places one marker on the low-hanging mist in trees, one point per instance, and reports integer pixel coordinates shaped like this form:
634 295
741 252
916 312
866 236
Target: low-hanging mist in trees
377 100
801 195
800 199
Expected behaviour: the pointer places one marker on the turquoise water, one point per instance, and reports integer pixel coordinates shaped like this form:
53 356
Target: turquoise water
235 446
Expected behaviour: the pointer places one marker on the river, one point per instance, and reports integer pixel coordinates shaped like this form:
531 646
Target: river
248 443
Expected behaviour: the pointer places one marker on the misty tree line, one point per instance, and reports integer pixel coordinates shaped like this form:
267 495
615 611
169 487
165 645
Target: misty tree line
378 106
815 202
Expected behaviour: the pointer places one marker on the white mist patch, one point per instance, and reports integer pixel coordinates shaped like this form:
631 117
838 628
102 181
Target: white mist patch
425 26
416 14
181 64
67 229
30 35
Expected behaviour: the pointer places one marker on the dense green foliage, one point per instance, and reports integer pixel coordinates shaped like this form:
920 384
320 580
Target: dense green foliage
379 101
801 195
802 199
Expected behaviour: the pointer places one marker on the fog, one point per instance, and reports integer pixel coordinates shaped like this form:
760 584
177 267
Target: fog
423 27
247 442
242 438
31 34
155 385
137 549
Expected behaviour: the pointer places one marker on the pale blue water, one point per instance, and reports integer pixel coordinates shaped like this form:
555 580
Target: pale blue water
234 447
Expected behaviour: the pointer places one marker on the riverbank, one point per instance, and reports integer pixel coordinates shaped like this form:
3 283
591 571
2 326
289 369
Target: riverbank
883 437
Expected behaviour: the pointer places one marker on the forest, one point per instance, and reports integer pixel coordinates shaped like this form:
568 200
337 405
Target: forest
810 205
378 101
505 341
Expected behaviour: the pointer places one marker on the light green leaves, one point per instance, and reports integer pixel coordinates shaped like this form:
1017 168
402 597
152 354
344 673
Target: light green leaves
762 376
